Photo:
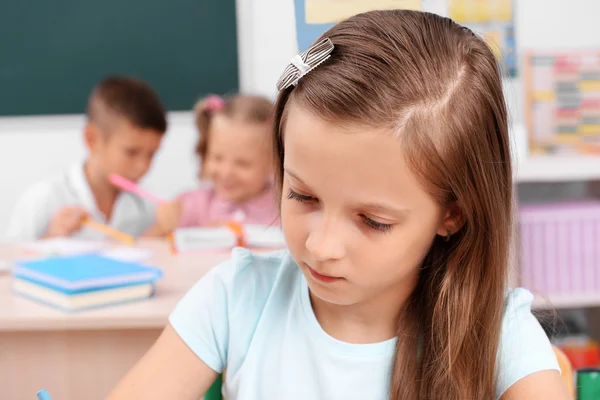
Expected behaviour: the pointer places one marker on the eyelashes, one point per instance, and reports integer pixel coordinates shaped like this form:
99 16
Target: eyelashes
377 226
300 197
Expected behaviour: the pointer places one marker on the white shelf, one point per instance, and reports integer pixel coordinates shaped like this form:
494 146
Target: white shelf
558 169
567 301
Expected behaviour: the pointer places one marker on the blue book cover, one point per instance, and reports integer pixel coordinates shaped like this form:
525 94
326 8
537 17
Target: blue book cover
84 272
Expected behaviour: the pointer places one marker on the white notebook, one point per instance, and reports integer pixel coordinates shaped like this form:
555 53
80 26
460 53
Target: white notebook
223 239
83 300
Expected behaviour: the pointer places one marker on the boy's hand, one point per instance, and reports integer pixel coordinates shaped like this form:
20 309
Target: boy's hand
168 215
66 222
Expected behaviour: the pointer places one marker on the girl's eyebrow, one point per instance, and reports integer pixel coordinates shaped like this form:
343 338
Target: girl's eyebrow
372 207
385 209
293 175
296 177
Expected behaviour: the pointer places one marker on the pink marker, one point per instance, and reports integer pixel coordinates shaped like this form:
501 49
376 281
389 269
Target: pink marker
132 187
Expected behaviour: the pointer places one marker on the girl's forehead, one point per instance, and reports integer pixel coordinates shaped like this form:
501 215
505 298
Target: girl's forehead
226 130
368 162
305 131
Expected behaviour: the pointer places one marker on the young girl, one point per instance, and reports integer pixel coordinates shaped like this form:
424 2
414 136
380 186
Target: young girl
236 160
394 174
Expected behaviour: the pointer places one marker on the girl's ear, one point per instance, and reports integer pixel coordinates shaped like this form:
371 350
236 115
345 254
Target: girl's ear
453 220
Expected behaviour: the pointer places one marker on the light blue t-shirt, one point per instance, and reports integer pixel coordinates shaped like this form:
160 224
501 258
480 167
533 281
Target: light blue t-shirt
252 315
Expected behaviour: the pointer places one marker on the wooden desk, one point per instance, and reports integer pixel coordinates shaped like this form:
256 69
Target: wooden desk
83 355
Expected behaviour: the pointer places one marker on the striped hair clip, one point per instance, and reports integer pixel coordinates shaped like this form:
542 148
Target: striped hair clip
305 62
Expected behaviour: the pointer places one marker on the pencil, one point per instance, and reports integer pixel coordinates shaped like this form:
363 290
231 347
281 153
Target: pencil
172 244
108 231
133 187
43 395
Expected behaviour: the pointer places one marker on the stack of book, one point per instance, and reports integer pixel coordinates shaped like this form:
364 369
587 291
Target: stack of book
74 283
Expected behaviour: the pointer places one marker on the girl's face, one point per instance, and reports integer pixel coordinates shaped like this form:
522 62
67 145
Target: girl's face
238 160
356 220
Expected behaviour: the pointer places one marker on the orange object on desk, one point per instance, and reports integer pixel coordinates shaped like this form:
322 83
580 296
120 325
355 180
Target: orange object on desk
109 231
171 240
238 229
581 352
566 370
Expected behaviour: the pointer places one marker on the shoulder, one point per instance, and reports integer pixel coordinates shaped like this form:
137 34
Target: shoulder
247 274
248 283
202 194
33 209
524 346
194 206
230 298
197 201
44 190
46 193
517 304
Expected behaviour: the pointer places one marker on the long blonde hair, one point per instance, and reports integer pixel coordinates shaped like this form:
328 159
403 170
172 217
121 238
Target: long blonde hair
438 86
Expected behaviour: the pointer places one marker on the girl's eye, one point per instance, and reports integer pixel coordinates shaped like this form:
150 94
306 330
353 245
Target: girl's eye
378 226
300 197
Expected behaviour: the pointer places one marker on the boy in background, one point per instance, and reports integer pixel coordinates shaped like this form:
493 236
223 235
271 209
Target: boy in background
125 126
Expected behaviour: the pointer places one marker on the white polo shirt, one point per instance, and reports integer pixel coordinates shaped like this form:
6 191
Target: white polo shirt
34 211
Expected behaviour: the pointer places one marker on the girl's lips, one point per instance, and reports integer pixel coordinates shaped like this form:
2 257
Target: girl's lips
323 278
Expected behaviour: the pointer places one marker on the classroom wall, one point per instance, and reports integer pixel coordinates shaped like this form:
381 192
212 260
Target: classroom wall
35 148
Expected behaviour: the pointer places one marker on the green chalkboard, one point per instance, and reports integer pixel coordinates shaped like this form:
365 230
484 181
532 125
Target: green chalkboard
53 52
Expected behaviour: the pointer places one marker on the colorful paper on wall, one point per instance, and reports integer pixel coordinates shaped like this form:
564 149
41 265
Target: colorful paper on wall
326 11
493 20
563 101
314 17
480 11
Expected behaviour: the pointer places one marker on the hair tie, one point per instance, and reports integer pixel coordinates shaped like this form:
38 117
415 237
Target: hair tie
214 103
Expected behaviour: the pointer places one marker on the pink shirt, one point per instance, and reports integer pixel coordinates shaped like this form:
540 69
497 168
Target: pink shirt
203 207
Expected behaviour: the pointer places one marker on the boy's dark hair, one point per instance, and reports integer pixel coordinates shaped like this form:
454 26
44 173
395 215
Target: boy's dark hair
129 98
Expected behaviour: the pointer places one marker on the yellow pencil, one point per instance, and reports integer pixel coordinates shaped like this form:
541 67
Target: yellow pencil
108 231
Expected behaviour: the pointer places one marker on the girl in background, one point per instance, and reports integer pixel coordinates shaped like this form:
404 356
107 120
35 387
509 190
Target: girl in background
236 167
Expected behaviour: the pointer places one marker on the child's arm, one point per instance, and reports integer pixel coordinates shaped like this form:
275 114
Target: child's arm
528 366
168 216
547 385
170 370
67 221
154 231
188 210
